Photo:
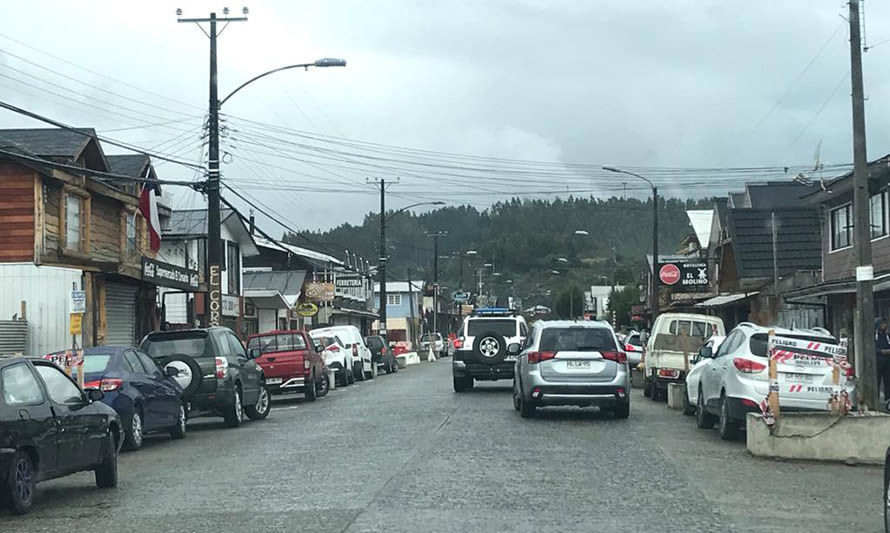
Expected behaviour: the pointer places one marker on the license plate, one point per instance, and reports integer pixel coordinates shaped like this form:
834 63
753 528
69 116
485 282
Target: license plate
273 381
798 378
580 365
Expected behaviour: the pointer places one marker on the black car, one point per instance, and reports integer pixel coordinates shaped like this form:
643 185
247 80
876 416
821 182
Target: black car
49 428
381 354
216 374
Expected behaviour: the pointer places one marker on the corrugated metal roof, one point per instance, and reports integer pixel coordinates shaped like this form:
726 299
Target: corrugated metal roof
725 299
299 251
287 282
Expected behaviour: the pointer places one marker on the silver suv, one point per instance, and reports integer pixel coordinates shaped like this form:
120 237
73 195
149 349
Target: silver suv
480 351
572 363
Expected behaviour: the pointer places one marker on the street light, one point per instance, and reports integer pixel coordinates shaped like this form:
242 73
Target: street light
407 207
318 63
563 260
653 287
581 232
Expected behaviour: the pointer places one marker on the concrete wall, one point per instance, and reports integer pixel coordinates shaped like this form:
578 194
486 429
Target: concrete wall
266 320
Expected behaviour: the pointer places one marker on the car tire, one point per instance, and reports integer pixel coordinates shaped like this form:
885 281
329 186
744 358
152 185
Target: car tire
262 407
516 402
135 432
462 384
647 390
526 409
234 413
323 387
703 419
490 348
373 370
106 472
310 392
727 427
359 371
21 480
688 408
622 409
350 376
342 379
178 430
190 375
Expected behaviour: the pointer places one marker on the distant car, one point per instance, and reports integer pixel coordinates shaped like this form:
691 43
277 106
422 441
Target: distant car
147 399
480 351
436 340
352 339
738 378
49 428
700 364
567 362
290 362
214 371
336 356
633 347
381 354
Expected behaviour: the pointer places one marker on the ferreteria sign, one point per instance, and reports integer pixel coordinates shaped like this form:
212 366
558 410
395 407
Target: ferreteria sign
348 280
167 275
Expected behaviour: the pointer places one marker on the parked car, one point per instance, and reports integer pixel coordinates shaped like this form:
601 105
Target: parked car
213 369
436 340
361 355
633 347
49 428
674 337
290 362
481 348
336 357
147 399
738 377
700 364
381 354
571 363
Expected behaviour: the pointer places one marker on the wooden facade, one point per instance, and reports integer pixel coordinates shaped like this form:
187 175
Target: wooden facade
17 214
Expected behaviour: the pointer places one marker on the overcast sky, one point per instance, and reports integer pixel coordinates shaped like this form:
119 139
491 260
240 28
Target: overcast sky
640 83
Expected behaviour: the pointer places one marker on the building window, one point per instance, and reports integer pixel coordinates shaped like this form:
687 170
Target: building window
841 227
877 212
233 266
73 222
393 299
131 234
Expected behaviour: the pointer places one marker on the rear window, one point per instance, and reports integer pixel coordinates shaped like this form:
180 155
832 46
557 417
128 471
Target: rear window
634 339
690 328
429 336
94 363
192 343
285 342
760 341
374 342
577 340
504 328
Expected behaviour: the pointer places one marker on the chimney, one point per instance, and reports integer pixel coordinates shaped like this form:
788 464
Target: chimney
252 220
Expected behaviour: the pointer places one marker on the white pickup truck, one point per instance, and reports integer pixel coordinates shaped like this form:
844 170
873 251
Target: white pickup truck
674 337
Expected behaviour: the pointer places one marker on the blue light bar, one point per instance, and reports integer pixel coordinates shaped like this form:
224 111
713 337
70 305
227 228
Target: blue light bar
492 311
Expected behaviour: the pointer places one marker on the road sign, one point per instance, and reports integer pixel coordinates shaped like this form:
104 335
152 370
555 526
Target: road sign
669 274
78 302
460 296
75 323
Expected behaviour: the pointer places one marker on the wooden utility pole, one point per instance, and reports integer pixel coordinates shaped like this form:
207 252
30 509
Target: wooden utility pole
863 332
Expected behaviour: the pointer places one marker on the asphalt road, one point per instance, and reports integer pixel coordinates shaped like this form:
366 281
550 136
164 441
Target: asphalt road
405 454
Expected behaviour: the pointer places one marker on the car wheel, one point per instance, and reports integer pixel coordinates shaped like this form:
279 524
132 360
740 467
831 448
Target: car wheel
262 407
516 404
178 431
373 371
688 408
647 390
703 419
323 386
622 409
653 390
728 428
189 376
133 436
526 409
490 347
234 413
359 371
106 472
310 392
461 385
20 482
350 375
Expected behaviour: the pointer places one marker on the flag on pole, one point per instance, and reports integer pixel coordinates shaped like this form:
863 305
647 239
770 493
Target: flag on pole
148 206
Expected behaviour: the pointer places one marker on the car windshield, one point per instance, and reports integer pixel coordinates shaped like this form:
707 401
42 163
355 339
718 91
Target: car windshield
578 339
504 327
759 342
195 344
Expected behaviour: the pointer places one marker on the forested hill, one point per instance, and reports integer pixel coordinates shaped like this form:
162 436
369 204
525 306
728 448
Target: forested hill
522 238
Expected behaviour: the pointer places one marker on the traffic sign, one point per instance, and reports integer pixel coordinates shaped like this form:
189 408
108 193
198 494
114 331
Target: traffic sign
75 323
78 302
460 296
669 274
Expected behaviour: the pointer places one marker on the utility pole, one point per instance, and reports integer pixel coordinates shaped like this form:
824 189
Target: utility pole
383 257
211 187
654 285
867 390
411 304
435 237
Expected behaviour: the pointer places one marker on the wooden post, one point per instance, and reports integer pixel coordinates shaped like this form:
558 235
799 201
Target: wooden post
24 315
686 362
773 398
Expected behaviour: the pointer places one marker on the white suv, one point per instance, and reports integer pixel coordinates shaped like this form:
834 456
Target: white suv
737 380
480 351
352 337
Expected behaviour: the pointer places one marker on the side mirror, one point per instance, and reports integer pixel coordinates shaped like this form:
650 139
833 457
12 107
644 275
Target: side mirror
706 351
95 395
514 348
253 353
171 371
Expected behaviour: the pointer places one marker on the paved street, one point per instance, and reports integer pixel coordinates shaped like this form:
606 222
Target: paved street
404 453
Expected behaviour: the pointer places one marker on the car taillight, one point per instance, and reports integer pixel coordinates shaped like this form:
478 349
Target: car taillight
537 357
458 344
630 348
747 366
355 350
334 348
850 372
618 357
105 385
668 373
221 366
750 403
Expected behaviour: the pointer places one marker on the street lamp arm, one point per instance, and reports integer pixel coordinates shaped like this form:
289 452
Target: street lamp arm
620 171
407 207
263 75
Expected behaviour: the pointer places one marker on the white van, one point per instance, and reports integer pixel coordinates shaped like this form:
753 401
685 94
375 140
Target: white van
674 337
353 340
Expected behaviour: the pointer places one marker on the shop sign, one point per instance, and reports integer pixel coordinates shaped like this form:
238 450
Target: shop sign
348 281
685 277
318 291
78 302
306 309
231 305
167 275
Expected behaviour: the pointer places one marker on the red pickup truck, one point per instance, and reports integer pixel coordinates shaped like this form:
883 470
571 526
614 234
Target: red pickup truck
290 362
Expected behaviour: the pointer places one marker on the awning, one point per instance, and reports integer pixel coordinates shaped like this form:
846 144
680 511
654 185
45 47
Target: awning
844 286
725 299
353 312
266 298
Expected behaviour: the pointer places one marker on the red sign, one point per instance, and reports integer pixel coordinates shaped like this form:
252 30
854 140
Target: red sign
669 274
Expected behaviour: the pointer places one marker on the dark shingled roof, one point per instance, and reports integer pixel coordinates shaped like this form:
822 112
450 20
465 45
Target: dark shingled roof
128 164
798 242
284 281
775 194
47 142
